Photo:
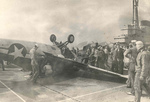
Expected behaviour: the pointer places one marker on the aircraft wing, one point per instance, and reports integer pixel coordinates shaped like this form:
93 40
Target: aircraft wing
106 72
71 65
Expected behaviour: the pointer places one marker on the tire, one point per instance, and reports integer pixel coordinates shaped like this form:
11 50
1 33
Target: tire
52 38
71 38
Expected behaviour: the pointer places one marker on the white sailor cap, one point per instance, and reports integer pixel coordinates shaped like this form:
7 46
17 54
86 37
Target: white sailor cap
36 45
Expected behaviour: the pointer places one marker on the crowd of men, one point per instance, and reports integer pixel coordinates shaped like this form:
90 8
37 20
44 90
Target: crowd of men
99 56
135 57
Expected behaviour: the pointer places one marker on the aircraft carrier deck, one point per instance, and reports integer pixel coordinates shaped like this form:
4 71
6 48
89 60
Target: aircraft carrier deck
80 87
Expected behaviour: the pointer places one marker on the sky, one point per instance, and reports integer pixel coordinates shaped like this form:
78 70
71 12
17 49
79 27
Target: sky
87 20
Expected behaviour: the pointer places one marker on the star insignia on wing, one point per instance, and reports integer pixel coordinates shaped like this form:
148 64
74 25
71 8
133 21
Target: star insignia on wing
17 52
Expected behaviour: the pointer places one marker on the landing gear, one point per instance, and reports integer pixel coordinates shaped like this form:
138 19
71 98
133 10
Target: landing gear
71 38
52 38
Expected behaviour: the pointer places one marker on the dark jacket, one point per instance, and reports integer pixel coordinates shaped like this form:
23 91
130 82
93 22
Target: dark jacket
118 54
143 63
133 54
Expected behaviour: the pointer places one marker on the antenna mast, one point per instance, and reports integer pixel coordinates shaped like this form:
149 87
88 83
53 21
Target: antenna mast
135 20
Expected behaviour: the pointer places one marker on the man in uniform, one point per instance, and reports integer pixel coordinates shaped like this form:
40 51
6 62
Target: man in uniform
142 70
131 54
91 56
112 57
97 57
101 60
34 63
118 59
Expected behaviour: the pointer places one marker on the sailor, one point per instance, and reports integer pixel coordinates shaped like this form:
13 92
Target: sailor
34 63
106 53
126 59
85 56
113 58
142 70
2 63
118 59
148 78
131 53
87 53
97 57
74 50
91 56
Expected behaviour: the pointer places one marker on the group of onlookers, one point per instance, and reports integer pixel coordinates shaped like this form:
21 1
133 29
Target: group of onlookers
135 57
101 56
95 55
98 56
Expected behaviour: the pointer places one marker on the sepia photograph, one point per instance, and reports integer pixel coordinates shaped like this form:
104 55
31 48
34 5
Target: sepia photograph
74 50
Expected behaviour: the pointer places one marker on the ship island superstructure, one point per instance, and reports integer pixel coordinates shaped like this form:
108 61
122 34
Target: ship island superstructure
135 31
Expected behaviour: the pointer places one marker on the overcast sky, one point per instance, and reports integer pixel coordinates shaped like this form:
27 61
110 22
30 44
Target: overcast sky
88 20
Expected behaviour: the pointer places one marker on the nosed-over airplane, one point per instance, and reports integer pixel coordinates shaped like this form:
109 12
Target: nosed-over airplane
58 56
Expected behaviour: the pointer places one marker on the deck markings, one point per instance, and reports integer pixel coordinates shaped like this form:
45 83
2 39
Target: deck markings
61 94
95 92
12 91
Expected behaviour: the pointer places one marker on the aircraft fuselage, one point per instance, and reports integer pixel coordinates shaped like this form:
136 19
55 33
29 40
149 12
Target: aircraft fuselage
17 52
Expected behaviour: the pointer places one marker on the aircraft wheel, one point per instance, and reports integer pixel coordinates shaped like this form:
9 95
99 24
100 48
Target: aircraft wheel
71 38
52 38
